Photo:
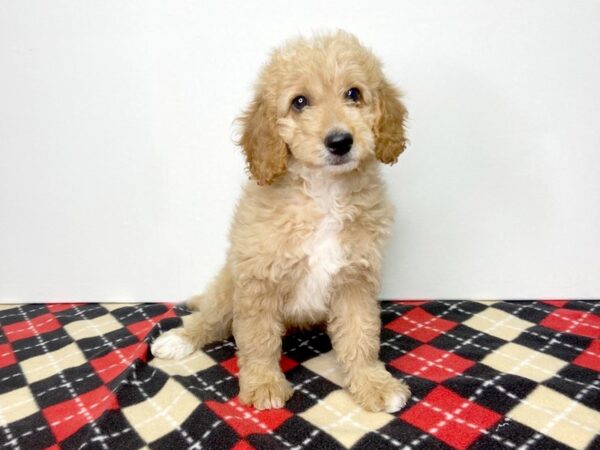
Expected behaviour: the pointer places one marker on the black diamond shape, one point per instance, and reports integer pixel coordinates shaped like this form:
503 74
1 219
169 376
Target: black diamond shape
309 387
544 340
394 345
31 432
143 383
402 432
11 378
456 311
527 310
22 313
221 351
38 345
576 381
583 305
214 383
301 346
500 395
74 382
132 314
87 311
516 434
390 311
97 346
468 343
111 430
202 426
295 430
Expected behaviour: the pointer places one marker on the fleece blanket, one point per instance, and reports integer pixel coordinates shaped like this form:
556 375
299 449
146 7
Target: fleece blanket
484 375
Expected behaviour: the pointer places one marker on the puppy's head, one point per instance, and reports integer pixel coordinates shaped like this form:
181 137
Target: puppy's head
326 103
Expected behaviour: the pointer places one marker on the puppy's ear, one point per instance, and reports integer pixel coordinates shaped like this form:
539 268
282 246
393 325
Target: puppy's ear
265 151
390 138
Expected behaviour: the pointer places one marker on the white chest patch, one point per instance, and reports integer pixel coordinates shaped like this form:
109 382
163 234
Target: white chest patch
323 250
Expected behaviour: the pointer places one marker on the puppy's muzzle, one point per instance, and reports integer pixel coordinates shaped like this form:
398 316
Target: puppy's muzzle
338 143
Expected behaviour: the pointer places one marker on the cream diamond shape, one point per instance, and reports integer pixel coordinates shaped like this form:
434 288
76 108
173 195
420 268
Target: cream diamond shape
114 306
498 323
81 329
558 416
48 364
327 366
16 404
163 412
524 361
8 306
193 363
343 419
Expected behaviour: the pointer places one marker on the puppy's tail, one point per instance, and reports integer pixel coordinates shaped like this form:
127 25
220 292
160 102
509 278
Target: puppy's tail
210 321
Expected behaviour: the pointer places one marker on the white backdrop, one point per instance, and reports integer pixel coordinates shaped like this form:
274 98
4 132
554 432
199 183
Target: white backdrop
118 174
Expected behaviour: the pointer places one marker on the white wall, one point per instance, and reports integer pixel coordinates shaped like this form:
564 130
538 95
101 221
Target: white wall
118 174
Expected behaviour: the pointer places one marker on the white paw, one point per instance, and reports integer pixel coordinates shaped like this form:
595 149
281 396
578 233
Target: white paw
172 345
395 401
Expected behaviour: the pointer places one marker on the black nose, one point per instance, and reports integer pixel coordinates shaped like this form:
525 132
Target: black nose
339 143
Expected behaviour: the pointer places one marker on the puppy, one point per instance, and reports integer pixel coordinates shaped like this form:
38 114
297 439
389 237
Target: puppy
308 233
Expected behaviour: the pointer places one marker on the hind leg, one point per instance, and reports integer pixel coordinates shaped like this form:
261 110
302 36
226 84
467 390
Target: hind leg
210 322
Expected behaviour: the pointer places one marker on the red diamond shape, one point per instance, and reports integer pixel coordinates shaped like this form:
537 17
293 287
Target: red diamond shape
67 417
410 302
432 363
557 303
38 325
576 322
450 417
286 363
7 357
109 366
142 328
232 367
590 357
246 420
57 307
420 325
242 445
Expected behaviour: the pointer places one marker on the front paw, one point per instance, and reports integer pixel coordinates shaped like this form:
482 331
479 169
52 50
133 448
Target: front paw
375 389
264 392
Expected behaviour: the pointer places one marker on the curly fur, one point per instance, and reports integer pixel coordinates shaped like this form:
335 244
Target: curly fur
308 233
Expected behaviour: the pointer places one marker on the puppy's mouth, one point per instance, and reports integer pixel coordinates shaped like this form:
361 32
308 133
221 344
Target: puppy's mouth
334 160
341 163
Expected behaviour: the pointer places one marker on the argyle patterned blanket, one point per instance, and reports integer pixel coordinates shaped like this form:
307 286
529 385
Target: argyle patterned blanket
484 375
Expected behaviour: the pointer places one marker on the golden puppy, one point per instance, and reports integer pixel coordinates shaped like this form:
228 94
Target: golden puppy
308 233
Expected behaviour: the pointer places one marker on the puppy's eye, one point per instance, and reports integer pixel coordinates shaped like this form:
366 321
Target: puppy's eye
299 103
353 94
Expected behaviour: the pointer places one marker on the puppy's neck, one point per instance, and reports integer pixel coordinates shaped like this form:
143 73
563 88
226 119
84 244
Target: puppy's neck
323 183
